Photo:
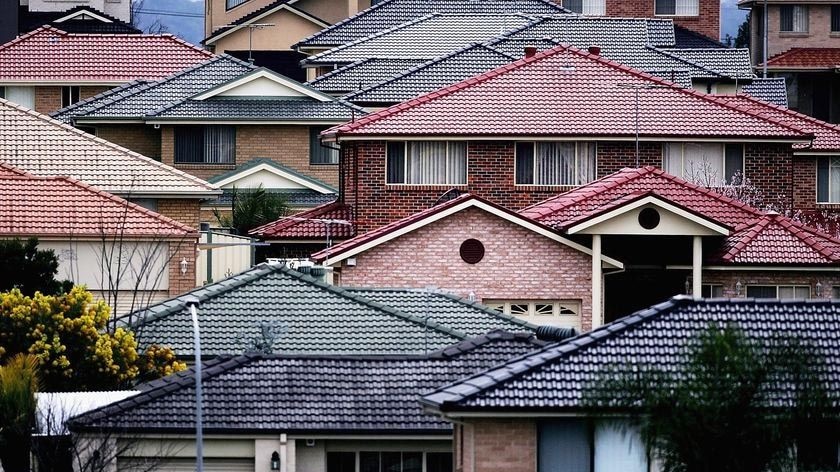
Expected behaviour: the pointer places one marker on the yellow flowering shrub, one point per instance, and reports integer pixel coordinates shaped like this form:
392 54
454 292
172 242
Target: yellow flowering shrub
67 334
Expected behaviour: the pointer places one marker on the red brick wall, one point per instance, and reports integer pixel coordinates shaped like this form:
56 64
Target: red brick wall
614 156
91 90
47 99
185 211
805 182
707 22
179 250
512 267
770 168
730 279
139 138
496 445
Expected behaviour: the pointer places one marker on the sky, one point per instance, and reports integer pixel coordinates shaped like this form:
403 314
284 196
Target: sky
184 18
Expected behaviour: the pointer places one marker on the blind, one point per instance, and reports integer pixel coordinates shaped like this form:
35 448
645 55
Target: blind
563 446
793 18
215 144
677 7
557 163
319 154
436 163
619 448
587 7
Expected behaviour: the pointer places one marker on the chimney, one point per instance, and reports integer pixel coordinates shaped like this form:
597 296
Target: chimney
530 51
595 50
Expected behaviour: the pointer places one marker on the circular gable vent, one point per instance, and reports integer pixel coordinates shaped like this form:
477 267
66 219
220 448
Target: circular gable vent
472 251
649 218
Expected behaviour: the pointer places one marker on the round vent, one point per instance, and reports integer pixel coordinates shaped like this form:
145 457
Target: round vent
472 251
649 218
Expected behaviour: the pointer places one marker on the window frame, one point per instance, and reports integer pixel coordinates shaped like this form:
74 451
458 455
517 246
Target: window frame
405 164
676 12
828 163
793 15
557 306
777 287
534 157
723 145
68 93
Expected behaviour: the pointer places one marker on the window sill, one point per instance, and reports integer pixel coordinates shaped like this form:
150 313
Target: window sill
537 188
794 34
205 165
835 34
828 206
399 187
323 164
676 16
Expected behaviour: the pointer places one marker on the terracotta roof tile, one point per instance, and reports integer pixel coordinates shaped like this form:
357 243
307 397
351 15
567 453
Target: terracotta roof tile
50 54
294 227
806 58
775 239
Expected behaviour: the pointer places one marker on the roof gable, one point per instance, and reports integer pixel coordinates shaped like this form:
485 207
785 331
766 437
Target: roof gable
779 240
263 83
269 174
261 14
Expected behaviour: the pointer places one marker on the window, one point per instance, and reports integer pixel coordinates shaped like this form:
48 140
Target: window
835 18
318 153
2 92
390 461
712 291
587 7
555 163
23 96
536 307
828 180
677 7
205 144
793 18
835 292
427 163
708 164
69 96
233 3
579 445
778 291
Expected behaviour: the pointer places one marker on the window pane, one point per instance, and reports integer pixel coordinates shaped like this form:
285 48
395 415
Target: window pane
587 7
672 162
456 163
563 446
834 180
524 163
319 154
712 291
2 92
619 448
761 291
802 292
574 5
823 179
341 462
835 292
544 309
23 96
438 462
666 7
703 163
189 144
586 162
219 144
368 461
391 461
734 161
519 309
555 164
786 18
436 163
687 8
800 18
835 18
412 462
396 163
233 3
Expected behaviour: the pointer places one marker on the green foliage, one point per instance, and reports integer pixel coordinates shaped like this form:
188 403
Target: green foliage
742 39
252 208
18 384
718 413
66 333
25 267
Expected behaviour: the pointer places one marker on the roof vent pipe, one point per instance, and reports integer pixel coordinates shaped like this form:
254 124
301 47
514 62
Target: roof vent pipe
530 51
555 333
595 50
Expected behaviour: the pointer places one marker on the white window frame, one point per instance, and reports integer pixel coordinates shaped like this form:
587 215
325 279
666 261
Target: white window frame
358 452
693 10
504 306
682 175
406 165
534 153
591 7
833 163
781 286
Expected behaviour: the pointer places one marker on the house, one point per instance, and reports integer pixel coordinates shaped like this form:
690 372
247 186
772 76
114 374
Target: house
701 17
313 413
42 146
230 122
49 68
98 16
277 309
301 234
803 43
125 254
529 413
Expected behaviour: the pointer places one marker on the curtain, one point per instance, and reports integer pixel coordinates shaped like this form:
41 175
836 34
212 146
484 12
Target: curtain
23 96
587 7
586 162
219 144
555 164
437 163
800 18
619 448
701 163
834 176
687 8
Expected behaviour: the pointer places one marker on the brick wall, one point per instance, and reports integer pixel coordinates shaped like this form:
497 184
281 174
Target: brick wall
47 99
183 210
496 445
91 90
515 264
182 249
614 156
139 138
707 22
729 279
770 168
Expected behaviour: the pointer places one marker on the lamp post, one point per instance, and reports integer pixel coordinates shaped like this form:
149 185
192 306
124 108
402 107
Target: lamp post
193 302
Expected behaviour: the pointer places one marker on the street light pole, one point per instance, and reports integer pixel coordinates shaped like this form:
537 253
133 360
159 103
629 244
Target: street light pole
193 302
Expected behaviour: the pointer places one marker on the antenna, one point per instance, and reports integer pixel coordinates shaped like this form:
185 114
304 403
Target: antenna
251 29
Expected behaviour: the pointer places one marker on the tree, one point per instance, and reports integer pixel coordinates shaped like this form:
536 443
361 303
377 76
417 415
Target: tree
66 333
742 39
29 269
721 410
252 208
18 384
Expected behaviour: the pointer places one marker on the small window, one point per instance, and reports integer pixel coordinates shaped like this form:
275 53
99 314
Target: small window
587 7
205 144
69 95
835 18
233 3
828 180
712 291
427 163
541 308
707 164
677 7
319 153
793 18
835 292
2 92
555 163
778 291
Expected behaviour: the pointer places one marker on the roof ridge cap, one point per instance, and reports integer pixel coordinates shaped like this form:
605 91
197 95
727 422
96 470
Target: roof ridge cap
784 110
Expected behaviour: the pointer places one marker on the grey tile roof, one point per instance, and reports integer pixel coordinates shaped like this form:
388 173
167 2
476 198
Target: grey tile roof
555 378
426 37
391 13
661 32
433 75
687 39
257 109
771 90
295 395
313 317
734 63
136 100
362 74
295 198
273 164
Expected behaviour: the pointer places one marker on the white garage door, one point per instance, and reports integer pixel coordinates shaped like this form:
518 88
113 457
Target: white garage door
184 465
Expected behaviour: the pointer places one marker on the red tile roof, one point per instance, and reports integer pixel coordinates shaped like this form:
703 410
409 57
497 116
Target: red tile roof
306 224
774 239
566 92
826 135
51 55
806 58
64 207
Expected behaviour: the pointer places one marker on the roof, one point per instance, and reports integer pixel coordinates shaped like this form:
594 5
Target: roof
294 198
51 55
56 407
775 239
541 96
262 12
297 227
136 99
556 378
274 167
310 317
729 62
422 218
361 74
64 207
81 19
43 146
686 38
438 33
391 13
805 59
258 109
772 90
312 394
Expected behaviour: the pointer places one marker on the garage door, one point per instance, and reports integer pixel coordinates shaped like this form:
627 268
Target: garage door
184 465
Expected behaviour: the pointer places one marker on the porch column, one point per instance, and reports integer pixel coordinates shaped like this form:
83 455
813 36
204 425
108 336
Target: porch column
697 268
596 281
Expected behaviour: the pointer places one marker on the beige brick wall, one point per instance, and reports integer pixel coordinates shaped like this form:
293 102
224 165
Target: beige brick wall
819 33
91 90
518 264
179 250
139 138
183 210
496 445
